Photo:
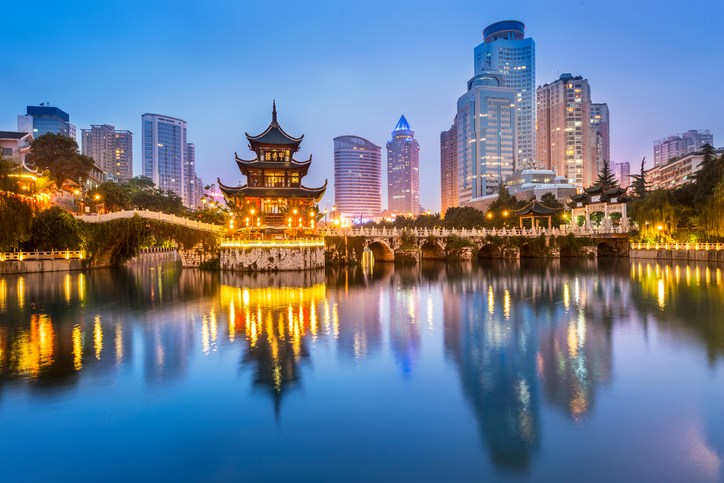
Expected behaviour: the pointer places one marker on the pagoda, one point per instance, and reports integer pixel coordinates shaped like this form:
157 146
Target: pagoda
274 196
604 198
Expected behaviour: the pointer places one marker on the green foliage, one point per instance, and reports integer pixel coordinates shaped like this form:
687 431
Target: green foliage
639 186
59 154
16 212
55 229
114 242
657 209
408 239
114 197
464 217
539 246
712 213
455 242
709 175
606 177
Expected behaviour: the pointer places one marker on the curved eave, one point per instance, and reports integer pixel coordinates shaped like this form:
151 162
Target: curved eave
536 208
244 165
280 138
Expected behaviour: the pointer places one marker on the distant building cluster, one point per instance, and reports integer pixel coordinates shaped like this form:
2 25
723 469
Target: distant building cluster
167 158
678 145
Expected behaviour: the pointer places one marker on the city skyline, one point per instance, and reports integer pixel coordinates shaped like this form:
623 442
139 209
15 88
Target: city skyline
361 100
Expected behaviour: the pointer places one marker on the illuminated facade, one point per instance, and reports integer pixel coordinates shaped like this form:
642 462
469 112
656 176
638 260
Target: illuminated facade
403 170
357 177
448 169
565 141
676 172
111 150
274 195
486 136
164 153
506 50
15 146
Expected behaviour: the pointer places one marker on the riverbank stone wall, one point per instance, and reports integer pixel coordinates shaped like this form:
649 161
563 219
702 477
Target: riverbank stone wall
270 259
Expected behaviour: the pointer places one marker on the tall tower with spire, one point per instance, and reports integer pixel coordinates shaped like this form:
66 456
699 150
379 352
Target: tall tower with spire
403 170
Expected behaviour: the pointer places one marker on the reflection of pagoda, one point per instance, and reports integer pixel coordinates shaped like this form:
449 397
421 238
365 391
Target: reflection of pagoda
274 177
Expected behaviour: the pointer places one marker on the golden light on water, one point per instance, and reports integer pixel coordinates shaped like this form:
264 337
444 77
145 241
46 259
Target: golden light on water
506 304
21 292
77 348
98 337
81 286
67 287
566 296
3 295
232 321
491 300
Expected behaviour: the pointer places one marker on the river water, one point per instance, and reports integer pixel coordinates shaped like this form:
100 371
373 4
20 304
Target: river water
496 371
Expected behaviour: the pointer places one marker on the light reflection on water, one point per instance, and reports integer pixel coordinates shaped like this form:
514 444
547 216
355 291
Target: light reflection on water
527 343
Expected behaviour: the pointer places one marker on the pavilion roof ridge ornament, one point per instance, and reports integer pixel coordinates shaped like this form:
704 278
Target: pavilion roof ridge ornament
274 113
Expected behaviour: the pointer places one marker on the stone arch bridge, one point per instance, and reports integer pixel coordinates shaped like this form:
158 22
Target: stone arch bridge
345 245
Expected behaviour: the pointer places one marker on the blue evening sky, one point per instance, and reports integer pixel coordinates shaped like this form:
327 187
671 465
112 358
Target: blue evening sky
342 67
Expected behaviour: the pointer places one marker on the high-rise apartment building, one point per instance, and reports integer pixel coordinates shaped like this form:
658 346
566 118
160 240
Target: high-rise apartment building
564 141
506 50
622 172
678 145
357 177
43 119
403 170
448 169
600 128
165 154
190 176
111 150
486 136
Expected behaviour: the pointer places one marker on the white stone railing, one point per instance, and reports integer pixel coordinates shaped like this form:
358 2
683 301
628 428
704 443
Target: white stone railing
677 246
484 232
152 215
302 242
50 255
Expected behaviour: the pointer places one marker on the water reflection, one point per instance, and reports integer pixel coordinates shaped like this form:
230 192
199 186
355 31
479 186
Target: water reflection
521 336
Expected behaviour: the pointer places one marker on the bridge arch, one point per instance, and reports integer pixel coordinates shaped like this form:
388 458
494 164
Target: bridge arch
525 251
606 249
490 250
432 251
381 251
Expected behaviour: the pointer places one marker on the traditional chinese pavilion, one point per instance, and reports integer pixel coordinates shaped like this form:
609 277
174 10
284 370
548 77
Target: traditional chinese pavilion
600 198
274 195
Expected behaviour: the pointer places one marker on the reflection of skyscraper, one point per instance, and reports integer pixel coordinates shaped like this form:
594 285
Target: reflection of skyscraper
403 170
404 332
360 334
494 346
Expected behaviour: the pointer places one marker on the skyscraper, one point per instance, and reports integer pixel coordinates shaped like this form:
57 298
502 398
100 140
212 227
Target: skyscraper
111 150
403 170
622 172
486 135
678 145
601 129
164 153
448 169
357 177
43 119
505 50
564 142
190 176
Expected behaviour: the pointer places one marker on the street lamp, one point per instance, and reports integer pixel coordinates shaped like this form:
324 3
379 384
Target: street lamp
203 200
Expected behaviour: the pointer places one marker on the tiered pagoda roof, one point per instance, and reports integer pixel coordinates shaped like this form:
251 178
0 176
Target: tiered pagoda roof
599 194
274 150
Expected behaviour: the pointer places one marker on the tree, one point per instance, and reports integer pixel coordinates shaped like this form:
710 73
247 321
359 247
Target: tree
639 186
140 183
115 197
606 177
463 217
709 175
550 200
59 154
55 229
712 213
658 208
16 213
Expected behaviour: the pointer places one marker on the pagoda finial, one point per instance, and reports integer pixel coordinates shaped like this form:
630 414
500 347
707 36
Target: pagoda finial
274 112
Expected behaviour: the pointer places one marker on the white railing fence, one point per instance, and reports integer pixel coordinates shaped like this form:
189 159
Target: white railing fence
151 215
